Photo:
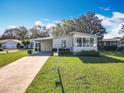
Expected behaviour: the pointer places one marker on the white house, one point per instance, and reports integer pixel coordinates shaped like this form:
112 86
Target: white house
75 41
9 43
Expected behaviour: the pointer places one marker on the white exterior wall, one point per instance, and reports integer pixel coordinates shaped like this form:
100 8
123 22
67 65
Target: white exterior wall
78 49
71 43
57 42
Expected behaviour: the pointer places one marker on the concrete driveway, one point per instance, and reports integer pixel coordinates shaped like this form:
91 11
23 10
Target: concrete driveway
16 77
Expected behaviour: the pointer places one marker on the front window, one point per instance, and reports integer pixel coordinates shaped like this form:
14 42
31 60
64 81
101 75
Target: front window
84 42
87 42
63 44
79 42
91 42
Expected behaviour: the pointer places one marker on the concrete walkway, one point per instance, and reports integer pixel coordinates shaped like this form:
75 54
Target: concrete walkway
16 77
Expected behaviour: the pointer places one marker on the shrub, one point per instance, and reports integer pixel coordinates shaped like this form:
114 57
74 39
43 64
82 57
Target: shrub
36 49
64 51
54 50
120 48
88 53
61 50
1 49
29 51
110 47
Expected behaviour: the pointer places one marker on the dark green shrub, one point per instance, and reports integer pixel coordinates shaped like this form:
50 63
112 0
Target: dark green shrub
54 50
88 53
29 51
110 47
1 49
120 48
36 49
64 51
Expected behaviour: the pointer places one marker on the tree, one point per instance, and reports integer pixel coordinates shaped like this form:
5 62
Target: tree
38 31
22 33
88 23
16 33
26 43
10 33
122 29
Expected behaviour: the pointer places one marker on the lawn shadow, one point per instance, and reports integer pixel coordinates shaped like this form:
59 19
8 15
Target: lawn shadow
100 59
114 53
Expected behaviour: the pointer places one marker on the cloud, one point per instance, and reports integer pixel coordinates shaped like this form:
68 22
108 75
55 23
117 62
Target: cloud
118 15
46 22
57 21
11 26
106 20
112 24
114 32
49 25
105 8
39 23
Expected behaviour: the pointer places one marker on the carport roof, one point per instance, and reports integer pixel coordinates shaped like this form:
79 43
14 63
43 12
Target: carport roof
46 38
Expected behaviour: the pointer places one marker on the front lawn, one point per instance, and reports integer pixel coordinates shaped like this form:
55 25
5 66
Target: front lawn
6 58
80 75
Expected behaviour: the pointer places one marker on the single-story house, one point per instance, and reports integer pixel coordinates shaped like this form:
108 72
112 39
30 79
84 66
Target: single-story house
110 42
75 41
9 43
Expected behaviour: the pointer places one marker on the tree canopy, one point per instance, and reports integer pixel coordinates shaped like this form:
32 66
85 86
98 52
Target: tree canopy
88 23
122 29
22 32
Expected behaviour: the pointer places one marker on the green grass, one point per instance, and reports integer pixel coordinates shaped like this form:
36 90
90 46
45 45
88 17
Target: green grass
6 58
81 75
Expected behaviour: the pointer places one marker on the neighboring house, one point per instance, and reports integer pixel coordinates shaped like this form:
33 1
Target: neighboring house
75 41
110 42
122 43
9 43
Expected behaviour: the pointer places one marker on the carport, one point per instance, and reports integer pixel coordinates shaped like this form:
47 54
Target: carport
43 44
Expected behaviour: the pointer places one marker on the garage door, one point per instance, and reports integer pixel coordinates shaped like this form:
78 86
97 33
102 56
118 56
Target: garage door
10 46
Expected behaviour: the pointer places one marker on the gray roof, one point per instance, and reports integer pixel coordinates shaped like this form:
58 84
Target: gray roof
45 38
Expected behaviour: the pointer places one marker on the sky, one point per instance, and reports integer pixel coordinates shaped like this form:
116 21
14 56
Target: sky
31 12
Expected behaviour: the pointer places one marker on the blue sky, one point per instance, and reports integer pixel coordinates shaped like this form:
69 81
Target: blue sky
28 12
